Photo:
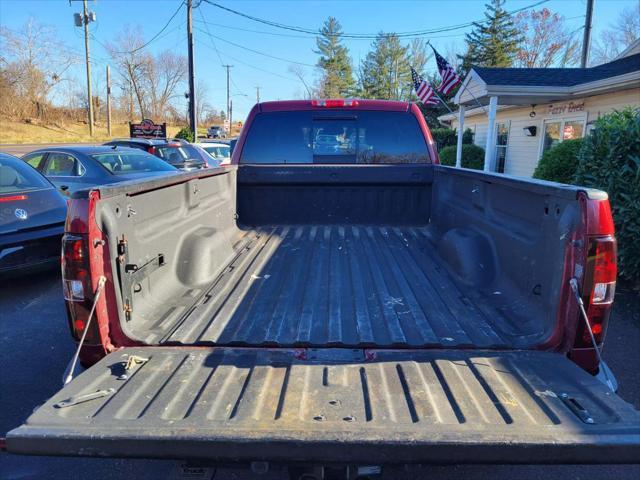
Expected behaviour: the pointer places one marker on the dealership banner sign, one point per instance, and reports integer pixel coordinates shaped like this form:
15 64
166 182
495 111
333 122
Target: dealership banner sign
147 129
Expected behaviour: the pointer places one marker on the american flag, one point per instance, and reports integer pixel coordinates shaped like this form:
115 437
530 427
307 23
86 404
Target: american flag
424 91
449 77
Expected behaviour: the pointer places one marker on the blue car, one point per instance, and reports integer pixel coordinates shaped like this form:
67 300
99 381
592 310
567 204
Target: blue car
75 168
32 215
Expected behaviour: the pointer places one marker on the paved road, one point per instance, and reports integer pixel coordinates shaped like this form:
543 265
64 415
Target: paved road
36 348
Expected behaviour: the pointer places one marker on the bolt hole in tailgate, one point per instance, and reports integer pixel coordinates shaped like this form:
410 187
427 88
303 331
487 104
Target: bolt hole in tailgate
335 405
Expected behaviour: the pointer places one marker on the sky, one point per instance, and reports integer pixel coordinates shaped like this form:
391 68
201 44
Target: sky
254 68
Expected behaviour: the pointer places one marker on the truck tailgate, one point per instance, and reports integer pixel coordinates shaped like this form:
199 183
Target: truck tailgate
337 405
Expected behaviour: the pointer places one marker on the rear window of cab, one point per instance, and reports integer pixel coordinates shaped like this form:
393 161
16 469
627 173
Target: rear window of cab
335 137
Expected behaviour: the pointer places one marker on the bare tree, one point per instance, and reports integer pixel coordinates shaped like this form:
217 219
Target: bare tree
203 107
299 72
132 63
33 62
546 40
619 36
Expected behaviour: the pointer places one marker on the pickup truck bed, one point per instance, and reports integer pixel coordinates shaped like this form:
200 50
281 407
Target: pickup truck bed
339 285
327 312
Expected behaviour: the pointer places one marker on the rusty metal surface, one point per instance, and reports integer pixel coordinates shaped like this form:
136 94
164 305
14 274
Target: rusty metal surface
336 404
341 286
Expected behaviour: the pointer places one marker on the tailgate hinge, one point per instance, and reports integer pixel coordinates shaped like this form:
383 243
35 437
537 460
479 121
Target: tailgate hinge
131 274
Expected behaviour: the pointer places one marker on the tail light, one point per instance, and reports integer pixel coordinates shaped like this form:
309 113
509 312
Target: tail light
13 198
598 280
340 102
152 150
598 288
76 274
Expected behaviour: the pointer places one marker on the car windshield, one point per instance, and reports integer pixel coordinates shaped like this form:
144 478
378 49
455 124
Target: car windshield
364 137
17 176
217 151
120 163
178 154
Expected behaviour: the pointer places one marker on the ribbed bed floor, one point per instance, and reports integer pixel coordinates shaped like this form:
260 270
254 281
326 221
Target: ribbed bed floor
340 286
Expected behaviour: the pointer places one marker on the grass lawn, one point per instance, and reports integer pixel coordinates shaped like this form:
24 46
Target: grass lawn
20 132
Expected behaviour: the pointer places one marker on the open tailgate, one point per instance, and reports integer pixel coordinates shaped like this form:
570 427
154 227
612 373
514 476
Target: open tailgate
335 405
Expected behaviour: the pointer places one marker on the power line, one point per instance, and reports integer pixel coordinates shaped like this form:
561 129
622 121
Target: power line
256 51
315 32
155 36
250 65
290 35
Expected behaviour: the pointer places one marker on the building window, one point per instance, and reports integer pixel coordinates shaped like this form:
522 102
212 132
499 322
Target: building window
557 131
502 141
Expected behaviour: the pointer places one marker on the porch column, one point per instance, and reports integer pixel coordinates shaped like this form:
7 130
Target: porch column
460 132
490 150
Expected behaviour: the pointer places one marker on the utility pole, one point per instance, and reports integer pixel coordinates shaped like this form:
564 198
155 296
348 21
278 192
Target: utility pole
230 116
108 101
257 94
586 39
83 20
193 114
228 101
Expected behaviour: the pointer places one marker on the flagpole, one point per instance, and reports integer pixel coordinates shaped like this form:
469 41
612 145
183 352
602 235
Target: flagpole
442 101
462 87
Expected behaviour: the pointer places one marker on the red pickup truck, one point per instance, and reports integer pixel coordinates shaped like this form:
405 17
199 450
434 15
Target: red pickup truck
335 296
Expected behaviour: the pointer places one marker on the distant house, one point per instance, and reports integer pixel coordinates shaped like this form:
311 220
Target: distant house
518 113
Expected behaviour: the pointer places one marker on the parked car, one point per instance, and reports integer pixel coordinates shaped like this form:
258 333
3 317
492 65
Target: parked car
220 152
75 168
146 144
184 155
32 215
351 303
216 132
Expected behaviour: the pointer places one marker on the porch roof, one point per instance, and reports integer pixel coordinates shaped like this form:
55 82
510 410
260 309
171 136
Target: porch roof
526 86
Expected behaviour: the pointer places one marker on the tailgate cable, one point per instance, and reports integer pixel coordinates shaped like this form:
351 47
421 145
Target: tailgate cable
576 291
101 282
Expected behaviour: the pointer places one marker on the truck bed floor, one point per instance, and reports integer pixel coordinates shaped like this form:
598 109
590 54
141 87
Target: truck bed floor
339 286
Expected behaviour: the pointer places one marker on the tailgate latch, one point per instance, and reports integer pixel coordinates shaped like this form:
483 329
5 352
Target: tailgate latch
131 274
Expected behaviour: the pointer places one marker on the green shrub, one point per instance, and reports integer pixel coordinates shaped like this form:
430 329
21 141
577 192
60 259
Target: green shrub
610 160
185 133
472 156
559 164
445 137
467 136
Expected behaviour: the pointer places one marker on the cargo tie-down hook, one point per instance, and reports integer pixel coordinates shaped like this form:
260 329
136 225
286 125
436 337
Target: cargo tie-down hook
101 282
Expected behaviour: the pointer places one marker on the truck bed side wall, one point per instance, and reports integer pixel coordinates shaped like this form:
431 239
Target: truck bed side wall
506 237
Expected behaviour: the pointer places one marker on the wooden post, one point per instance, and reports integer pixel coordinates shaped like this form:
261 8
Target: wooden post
108 101
490 150
460 132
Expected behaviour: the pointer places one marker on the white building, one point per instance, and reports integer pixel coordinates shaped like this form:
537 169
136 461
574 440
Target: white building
518 113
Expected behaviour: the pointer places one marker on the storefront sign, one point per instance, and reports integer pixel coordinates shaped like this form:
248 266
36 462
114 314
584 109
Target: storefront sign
147 129
561 109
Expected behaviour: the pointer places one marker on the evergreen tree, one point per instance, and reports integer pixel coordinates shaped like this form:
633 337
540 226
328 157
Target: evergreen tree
494 42
337 75
385 73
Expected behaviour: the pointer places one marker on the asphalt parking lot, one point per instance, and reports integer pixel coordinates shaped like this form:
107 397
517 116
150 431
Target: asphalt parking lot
36 347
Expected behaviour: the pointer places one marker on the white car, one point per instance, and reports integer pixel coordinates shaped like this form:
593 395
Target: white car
218 151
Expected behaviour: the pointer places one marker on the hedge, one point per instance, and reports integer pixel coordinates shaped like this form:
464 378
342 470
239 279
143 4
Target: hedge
472 156
610 160
445 137
559 164
185 133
